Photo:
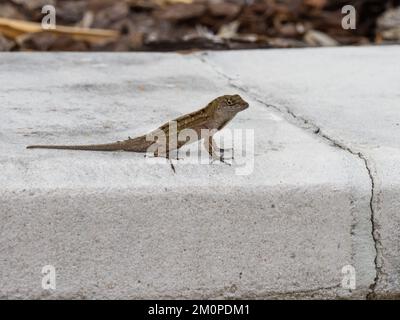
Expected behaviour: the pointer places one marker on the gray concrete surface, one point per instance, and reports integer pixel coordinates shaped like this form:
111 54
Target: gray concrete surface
118 225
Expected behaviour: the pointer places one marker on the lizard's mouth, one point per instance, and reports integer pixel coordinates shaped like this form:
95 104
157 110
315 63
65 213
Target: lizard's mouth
245 106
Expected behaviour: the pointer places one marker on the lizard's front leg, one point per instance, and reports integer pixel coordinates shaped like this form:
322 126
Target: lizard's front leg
222 151
211 146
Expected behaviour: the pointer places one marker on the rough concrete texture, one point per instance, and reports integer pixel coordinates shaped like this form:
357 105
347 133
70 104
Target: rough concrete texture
350 97
118 225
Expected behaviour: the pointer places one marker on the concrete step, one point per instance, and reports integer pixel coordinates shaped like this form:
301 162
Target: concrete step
288 219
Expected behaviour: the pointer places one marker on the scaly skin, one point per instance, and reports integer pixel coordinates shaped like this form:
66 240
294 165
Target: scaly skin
213 117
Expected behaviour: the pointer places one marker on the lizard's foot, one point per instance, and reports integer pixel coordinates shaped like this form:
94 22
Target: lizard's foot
221 159
226 150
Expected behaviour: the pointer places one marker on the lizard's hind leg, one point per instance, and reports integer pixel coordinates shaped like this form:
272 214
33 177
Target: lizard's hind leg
166 155
170 162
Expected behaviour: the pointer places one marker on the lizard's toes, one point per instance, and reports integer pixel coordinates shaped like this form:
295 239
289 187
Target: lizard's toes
224 151
222 159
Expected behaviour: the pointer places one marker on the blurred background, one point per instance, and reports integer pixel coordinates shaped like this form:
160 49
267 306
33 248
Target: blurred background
180 25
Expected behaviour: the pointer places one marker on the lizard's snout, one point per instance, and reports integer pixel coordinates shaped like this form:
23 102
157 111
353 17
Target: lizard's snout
244 105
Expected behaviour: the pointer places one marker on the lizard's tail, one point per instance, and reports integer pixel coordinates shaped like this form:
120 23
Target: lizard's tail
136 145
95 147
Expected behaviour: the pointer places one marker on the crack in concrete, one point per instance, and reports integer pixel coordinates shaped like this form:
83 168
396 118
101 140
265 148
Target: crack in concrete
309 125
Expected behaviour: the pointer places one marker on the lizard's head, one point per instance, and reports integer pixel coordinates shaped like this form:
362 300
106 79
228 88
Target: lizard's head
230 103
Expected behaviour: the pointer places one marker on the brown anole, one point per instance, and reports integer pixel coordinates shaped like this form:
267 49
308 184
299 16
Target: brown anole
211 118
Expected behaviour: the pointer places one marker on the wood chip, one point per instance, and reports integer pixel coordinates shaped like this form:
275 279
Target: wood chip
13 29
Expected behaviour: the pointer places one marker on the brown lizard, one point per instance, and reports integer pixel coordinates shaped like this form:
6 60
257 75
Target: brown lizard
212 118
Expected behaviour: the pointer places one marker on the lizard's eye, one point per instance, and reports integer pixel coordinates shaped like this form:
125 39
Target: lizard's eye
229 102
